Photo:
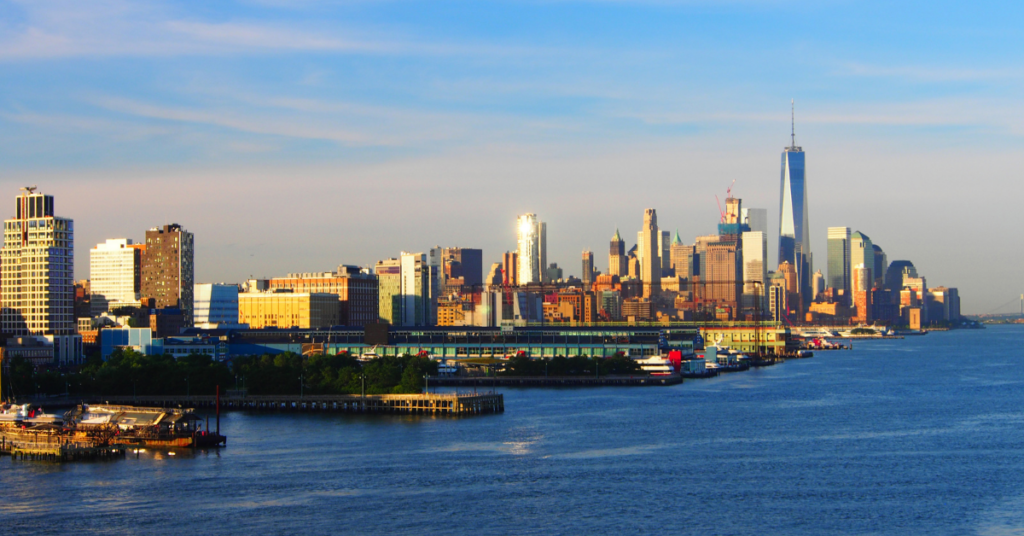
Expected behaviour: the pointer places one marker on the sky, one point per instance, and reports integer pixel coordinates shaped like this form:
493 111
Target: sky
294 136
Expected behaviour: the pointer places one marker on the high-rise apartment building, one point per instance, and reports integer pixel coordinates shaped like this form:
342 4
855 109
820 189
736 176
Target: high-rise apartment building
115 274
510 269
650 254
419 293
794 227
839 270
37 285
389 290
530 262
862 253
168 271
588 268
617 256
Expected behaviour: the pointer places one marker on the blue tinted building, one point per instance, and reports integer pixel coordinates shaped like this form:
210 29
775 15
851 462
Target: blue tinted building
794 228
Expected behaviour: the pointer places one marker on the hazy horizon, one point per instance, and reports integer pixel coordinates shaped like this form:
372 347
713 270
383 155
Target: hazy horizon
296 136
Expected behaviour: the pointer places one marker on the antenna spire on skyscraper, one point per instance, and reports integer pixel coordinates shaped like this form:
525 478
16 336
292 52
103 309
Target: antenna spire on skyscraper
792 118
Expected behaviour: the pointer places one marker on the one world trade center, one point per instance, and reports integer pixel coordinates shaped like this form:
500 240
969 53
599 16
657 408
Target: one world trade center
794 235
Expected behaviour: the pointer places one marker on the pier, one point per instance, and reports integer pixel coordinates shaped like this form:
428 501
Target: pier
48 447
556 381
450 404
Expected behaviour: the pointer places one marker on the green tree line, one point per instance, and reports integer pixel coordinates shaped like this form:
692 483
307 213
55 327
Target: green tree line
127 372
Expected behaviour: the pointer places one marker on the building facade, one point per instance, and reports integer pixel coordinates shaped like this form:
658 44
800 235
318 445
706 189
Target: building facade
168 269
838 269
389 290
587 268
862 253
37 288
215 304
287 310
115 275
358 301
617 256
528 247
650 253
794 226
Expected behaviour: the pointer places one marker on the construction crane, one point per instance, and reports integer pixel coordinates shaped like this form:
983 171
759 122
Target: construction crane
30 189
728 194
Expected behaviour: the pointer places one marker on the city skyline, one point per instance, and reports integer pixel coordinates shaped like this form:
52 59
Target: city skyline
558 120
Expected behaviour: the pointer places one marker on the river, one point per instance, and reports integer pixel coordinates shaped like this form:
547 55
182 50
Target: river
921 435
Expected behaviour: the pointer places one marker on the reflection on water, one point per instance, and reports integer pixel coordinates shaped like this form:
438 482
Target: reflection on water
894 437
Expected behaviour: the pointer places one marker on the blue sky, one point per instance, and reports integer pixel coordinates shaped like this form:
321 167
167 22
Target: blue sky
294 136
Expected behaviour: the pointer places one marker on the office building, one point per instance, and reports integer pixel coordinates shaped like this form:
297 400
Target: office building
287 309
817 286
463 263
755 267
794 226
881 264
650 254
115 275
681 258
839 269
896 272
724 279
215 304
862 293
756 219
542 246
664 247
168 272
358 298
587 275
37 288
862 252
530 262
617 256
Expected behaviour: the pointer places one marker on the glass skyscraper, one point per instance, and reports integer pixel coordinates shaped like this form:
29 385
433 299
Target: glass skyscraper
839 260
794 229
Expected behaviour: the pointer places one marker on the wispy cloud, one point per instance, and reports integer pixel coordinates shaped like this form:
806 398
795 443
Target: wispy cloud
920 73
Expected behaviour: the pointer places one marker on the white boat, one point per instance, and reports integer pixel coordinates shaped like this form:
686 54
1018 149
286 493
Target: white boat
817 333
656 365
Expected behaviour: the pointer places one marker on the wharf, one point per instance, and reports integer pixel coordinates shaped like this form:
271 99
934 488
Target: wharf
454 404
26 445
556 381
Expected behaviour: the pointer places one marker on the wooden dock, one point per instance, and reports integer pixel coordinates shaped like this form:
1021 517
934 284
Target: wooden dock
446 404
48 447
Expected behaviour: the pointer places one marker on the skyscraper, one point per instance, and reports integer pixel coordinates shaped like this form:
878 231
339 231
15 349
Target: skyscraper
794 227
755 267
862 254
588 267
681 257
510 269
756 219
38 289
664 246
530 266
880 266
389 290
168 272
542 247
617 256
420 282
650 257
839 270
115 275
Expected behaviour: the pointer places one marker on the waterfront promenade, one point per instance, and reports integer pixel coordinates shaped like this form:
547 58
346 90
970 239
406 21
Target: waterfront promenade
556 381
